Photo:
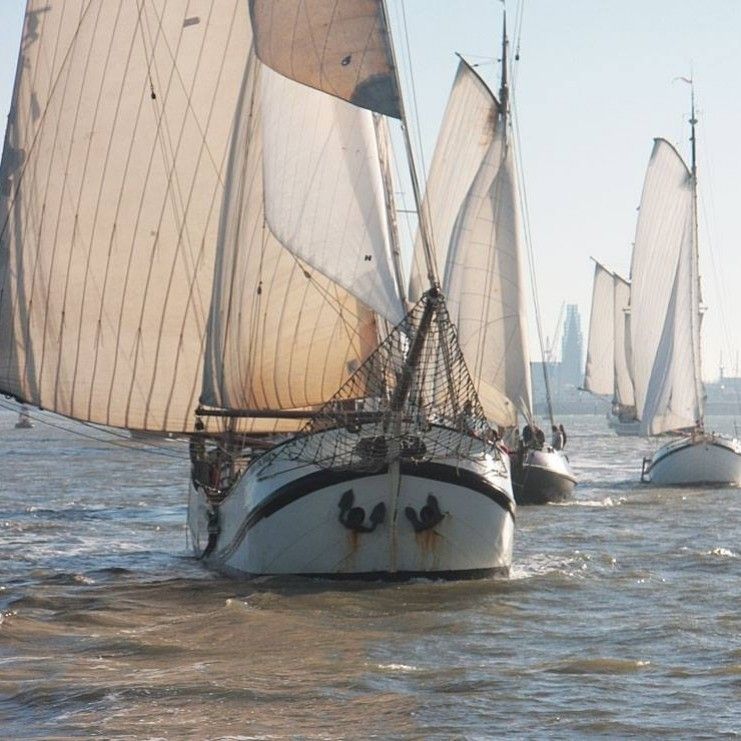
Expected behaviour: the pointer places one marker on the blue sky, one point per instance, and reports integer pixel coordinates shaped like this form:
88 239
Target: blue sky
593 87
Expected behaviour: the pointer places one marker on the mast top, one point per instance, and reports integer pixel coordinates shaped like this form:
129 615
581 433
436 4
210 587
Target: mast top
504 86
693 122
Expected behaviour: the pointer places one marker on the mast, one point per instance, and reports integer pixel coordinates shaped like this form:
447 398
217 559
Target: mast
504 101
695 272
504 85
424 226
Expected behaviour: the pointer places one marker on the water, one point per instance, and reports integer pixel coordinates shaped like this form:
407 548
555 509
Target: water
621 617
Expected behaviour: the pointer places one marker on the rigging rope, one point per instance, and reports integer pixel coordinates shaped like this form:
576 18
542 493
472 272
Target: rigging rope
526 227
121 441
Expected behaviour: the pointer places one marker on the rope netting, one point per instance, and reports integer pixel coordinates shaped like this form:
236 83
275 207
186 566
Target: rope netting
413 398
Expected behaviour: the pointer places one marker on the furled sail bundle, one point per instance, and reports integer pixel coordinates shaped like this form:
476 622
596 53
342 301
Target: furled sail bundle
110 191
664 303
474 212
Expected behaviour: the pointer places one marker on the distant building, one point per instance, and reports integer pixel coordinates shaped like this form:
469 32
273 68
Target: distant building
571 372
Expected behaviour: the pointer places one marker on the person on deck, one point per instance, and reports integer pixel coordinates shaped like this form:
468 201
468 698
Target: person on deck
563 433
539 437
197 449
556 438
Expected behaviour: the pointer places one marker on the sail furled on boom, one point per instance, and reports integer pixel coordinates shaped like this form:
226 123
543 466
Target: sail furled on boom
599 373
281 334
110 188
341 47
664 337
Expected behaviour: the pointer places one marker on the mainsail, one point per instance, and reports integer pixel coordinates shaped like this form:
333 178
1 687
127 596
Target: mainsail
607 371
623 380
281 334
599 374
476 231
110 188
465 136
664 304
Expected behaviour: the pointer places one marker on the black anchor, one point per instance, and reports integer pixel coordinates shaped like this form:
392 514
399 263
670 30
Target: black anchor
353 518
429 516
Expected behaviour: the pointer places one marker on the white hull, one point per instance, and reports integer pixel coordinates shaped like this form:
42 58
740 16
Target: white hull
696 459
283 517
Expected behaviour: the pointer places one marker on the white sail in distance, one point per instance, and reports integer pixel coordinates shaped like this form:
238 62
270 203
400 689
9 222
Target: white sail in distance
664 308
623 380
281 334
599 374
110 189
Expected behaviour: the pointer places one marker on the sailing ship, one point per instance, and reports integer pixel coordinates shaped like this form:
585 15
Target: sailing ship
197 216
472 200
665 316
607 369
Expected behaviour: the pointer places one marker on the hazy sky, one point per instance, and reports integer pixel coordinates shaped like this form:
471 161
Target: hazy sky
593 87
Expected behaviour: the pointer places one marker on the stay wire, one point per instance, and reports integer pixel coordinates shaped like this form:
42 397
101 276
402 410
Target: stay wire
120 441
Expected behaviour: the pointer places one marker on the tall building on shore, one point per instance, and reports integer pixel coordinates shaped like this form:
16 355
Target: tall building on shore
572 369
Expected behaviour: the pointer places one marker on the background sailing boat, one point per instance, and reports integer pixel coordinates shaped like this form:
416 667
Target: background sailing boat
473 204
665 317
607 371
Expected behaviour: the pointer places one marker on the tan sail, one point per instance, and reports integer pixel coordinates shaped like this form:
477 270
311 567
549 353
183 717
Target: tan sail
110 189
341 48
281 335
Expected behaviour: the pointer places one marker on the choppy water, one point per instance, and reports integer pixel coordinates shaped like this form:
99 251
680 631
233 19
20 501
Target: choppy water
622 616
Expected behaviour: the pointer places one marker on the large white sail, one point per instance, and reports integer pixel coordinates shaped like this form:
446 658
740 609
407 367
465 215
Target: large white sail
110 188
281 334
484 282
664 308
323 189
599 374
473 206
466 133
342 48
623 380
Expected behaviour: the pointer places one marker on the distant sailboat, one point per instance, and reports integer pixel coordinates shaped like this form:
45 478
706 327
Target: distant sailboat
473 205
607 371
156 260
665 318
